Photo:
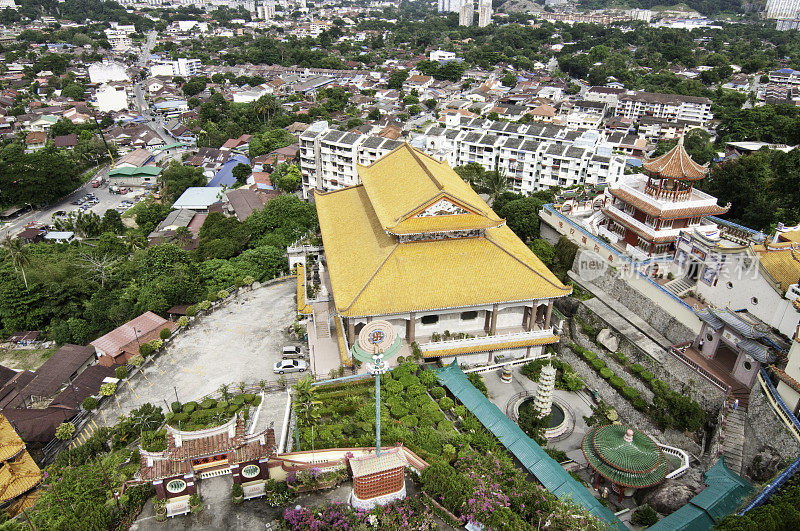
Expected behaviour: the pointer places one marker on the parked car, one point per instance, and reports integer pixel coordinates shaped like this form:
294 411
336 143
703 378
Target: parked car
283 366
292 351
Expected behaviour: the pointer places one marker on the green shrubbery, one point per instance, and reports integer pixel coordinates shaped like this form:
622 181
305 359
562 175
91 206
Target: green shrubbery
606 373
477 380
566 377
446 403
438 392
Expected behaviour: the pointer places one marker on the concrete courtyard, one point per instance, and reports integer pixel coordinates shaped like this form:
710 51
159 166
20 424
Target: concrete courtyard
238 342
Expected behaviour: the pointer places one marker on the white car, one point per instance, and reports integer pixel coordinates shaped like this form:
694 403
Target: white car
283 366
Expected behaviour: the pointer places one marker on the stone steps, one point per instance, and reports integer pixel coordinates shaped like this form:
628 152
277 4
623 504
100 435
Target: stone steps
679 286
733 446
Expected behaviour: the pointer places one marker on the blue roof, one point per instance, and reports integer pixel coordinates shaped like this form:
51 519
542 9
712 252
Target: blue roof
224 177
636 163
531 455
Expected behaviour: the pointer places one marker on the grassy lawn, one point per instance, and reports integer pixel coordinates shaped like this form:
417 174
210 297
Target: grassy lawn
22 359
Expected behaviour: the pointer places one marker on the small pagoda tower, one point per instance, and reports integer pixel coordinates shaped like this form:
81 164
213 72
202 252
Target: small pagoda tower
647 212
627 458
544 393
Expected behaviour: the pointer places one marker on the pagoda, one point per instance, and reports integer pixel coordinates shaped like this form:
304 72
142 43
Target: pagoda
647 212
544 392
627 458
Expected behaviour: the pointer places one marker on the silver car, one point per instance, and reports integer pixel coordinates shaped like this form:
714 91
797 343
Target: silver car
283 366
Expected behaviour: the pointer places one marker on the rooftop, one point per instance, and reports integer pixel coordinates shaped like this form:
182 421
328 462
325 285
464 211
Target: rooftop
676 164
624 456
372 464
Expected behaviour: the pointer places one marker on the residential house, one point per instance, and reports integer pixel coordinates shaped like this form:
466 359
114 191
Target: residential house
122 343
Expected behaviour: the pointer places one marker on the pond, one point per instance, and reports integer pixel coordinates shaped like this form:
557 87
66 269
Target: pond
557 414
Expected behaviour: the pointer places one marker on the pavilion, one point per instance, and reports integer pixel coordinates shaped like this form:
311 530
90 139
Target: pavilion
627 458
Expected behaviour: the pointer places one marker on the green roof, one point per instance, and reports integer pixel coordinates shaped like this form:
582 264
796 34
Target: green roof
128 171
531 455
639 463
723 495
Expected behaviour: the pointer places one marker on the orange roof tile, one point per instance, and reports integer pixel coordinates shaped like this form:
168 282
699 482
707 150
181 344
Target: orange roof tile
676 164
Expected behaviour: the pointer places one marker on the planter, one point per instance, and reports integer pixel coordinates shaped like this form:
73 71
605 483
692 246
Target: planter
237 499
161 517
319 486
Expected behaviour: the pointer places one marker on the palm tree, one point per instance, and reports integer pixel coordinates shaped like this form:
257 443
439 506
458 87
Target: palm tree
19 255
494 183
133 242
183 235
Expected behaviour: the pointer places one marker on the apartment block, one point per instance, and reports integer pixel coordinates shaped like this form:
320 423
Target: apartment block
671 107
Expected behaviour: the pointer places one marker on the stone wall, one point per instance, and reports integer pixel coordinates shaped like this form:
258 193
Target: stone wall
666 324
764 428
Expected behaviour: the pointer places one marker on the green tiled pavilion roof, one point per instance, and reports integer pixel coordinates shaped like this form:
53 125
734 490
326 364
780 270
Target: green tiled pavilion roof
639 463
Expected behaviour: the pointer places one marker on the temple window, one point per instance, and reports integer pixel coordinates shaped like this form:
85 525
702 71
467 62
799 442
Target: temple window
250 471
176 485
469 316
429 319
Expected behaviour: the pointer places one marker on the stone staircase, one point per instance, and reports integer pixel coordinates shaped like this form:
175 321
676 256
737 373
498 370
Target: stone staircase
679 286
734 439
321 320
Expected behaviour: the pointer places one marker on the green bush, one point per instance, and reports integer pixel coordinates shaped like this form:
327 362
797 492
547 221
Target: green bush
121 372
640 404
394 387
222 404
165 333
415 390
145 349
659 387
445 425
257 401
180 417
428 378
622 358
460 411
646 376
645 516
136 360
616 382
204 305
438 392
598 364
188 407
212 296
630 393
191 311
606 373
399 411
636 369
223 294
176 407
558 455
89 403
183 321
446 403
248 398
477 381
409 381
409 420
208 403
238 400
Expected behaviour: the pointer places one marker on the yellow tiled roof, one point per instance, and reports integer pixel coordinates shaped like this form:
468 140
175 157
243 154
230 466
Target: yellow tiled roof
472 349
405 181
372 274
18 477
10 442
780 262
791 236
342 346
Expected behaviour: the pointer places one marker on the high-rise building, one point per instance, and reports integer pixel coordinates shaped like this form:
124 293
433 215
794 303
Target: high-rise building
449 6
265 10
484 13
783 8
467 13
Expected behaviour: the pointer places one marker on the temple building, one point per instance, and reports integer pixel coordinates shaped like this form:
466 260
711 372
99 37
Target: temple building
19 474
647 212
414 245
193 455
626 458
378 479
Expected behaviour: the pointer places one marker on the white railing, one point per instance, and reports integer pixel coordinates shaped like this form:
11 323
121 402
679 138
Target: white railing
521 361
677 452
647 229
486 340
698 198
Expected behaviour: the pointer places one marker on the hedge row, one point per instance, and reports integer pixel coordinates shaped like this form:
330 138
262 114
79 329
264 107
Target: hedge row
627 392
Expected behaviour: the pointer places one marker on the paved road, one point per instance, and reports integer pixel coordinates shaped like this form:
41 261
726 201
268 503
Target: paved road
238 342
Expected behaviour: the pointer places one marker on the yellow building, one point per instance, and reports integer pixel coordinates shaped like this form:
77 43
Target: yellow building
19 474
414 244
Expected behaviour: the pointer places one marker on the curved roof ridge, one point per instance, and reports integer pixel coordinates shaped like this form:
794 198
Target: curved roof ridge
372 276
684 167
424 166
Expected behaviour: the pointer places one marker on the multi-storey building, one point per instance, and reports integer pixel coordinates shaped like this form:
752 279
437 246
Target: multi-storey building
449 6
484 13
467 13
182 67
783 8
646 215
672 107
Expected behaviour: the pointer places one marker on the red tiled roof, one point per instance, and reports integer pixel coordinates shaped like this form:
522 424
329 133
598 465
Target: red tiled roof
372 464
677 213
114 342
676 164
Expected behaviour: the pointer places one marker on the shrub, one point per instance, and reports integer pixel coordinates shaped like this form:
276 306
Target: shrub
145 349
409 380
477 380
410 421
180 417
208 403
165 333
183 321
222 404
136 360
154 441
622 358
191 311
249 397
428 378
415 390
558 455
460 411
157 344
630 393
108 389
399 411
446 403
659 387
65 431
238 400
89 403
223 294
212 296
438 392
204 305
606 373
176 407
598 364
636 369
646 376
616 382
188 407
640 404
237 493
445 425
121 372
248 281
645 516
393 387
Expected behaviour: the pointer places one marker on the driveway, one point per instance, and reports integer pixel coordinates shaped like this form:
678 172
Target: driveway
238 342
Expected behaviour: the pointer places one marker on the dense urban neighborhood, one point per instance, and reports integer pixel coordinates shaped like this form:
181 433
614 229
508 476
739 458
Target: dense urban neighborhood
399 264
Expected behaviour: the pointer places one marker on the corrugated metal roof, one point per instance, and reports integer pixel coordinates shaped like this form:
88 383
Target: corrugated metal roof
531 455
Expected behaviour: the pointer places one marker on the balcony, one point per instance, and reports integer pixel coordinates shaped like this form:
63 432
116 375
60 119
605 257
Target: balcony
505 339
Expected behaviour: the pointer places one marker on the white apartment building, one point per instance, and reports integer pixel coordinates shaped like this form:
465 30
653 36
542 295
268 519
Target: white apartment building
182 67
265 10
484 13
607 95
119 36
783 8
449 6
533 157
441 55
671 107
466 13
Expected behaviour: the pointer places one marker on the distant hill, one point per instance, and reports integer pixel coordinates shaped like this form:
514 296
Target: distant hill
706 7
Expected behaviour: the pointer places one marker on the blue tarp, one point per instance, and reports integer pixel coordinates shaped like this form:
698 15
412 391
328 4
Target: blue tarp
224 177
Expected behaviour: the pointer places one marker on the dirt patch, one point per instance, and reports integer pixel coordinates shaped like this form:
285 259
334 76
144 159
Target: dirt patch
25 358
